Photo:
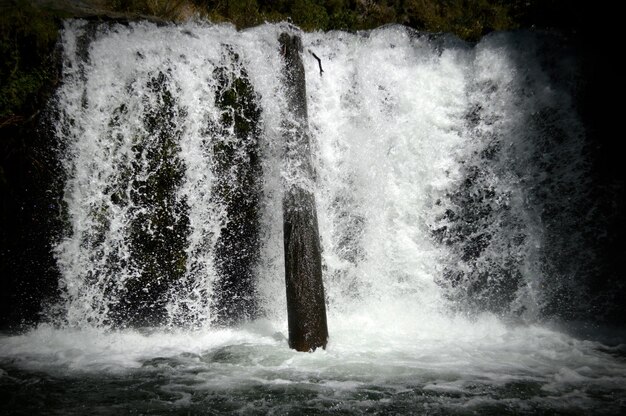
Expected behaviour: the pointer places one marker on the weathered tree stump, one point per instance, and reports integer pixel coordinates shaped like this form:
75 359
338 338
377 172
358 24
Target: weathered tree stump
306 307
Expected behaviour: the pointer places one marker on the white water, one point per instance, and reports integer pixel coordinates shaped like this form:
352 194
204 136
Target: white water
392 145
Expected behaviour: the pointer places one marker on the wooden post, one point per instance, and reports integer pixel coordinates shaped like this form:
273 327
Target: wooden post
306 305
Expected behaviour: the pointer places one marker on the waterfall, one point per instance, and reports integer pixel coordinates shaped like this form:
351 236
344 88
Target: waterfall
147 141
453 191
441 170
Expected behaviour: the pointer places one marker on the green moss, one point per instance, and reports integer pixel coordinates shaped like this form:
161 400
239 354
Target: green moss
309 14
159 223
235 143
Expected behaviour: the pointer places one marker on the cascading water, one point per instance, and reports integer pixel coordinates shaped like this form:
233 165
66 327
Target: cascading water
450 180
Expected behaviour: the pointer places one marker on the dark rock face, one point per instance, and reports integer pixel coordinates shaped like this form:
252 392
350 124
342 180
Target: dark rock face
160 223
237 171
29 191
29 209
306 306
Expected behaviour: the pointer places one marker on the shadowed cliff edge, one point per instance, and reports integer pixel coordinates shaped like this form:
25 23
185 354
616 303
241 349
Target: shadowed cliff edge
306 307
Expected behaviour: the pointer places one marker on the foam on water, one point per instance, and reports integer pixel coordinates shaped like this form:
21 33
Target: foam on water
444 363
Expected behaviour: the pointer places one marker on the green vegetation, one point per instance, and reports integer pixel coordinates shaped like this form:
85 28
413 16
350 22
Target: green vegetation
468 19
27 38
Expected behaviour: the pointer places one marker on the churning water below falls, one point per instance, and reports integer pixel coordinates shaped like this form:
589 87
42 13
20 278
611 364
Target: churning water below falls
449 184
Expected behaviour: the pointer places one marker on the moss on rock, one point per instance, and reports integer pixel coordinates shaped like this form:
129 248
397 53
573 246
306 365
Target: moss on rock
160 224
237 170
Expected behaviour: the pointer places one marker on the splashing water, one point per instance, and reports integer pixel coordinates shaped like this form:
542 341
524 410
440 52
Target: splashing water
449 179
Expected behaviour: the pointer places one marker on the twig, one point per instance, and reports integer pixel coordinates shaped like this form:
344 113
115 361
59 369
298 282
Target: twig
319 61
